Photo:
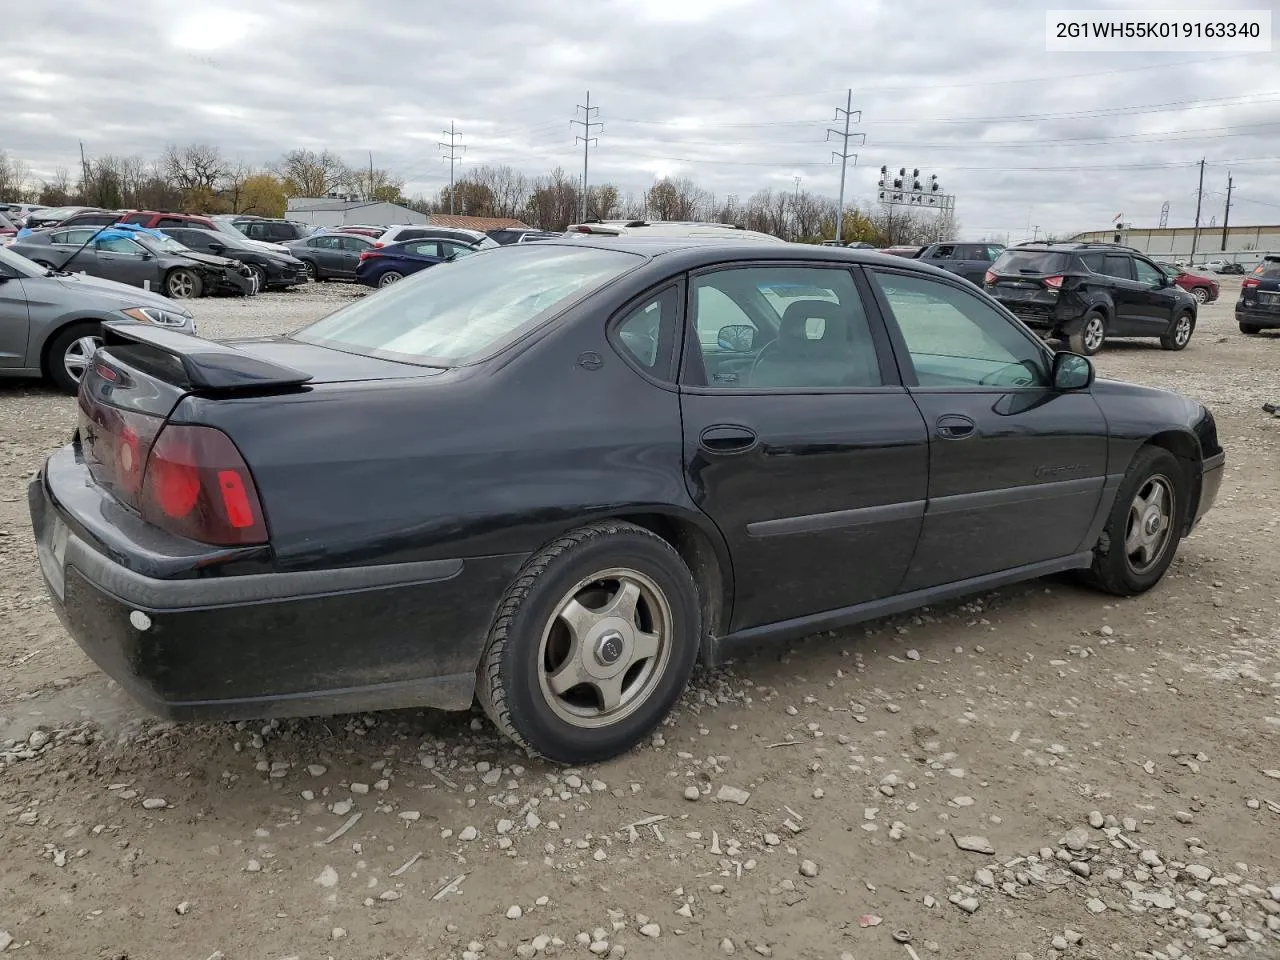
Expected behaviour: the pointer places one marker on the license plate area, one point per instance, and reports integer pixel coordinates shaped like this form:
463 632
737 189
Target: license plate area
1268 297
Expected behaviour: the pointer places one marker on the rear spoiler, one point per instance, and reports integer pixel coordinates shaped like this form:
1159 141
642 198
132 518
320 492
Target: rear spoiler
204 364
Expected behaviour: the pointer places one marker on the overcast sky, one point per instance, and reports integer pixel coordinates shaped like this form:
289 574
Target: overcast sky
735 94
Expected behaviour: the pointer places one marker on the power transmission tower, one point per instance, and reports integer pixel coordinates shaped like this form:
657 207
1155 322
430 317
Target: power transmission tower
1164 214
587 140
452 154
844 155
1195 237
1226 214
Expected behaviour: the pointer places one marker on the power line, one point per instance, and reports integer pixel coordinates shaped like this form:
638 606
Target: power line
586 123
452 154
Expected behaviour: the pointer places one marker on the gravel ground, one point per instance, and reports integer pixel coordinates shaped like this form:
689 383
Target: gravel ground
1037 772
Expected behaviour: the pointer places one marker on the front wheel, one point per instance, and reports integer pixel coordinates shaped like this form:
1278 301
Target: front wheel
313 274
183 284
1143 529
1180 335
592 644
1089 339
259 277
70 353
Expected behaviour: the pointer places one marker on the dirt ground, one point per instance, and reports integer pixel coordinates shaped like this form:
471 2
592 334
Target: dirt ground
1114 766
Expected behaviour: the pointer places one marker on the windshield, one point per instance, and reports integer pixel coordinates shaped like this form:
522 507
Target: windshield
16 263
1029 262
458 311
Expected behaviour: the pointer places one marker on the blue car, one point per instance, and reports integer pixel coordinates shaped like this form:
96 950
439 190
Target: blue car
382 266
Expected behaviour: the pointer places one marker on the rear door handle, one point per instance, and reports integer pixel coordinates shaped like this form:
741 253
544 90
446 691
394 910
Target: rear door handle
954 426
725 439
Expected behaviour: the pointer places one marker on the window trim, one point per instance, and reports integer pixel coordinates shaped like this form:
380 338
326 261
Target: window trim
907 364
691 354
665 371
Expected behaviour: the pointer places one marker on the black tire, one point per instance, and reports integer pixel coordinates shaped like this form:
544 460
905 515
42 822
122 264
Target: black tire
183 284
68 340
511 679
1089 337
1183 327
1113 570
313 272
1250 328
261 274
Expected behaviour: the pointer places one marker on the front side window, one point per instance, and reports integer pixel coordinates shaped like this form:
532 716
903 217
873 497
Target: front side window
955 339
120 245
771 328
454 316
1147 273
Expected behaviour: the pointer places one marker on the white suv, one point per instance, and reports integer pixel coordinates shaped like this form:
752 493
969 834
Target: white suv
669 228
422 231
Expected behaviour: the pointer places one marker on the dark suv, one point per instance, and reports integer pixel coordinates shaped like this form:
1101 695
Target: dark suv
1259 305
272 231
1086 292
968 260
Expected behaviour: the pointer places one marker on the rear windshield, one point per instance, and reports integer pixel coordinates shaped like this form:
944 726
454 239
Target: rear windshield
1013 262
459 311
1268 270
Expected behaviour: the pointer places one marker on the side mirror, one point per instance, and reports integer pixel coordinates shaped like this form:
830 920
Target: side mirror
147 256
1071 371
217 247
738 337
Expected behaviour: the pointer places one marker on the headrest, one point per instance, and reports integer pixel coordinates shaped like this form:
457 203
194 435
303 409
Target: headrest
813 321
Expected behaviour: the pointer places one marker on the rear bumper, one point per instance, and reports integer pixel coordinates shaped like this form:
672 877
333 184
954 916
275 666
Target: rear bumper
1263 319
189 645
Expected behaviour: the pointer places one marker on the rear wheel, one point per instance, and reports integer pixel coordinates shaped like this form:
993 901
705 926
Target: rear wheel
1141 535
1180 335
1201 294
183 284
69 355
592 645
389 278
1250 328
1091 335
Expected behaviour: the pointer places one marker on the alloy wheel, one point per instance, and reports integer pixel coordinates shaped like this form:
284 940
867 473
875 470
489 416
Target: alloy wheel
1094 333
182 285
75 360
1182 330
1149 525
605 649
388 278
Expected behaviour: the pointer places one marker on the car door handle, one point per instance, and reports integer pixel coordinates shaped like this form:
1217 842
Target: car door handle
727 439
953 426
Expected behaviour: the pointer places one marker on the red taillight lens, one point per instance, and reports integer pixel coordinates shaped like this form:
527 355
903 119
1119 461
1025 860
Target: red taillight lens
197 485
989 277
368 255
1249 283
584 229
1053 283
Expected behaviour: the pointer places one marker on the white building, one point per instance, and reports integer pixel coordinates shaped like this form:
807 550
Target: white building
1244 244
338 212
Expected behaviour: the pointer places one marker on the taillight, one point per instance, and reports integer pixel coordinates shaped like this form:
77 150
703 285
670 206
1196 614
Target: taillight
584 229
378 243
1053 283
368 255
989 277
197 485
1249 283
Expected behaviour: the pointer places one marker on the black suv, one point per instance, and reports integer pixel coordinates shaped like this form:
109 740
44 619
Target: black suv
272 231
1086 292
1259 305
968 260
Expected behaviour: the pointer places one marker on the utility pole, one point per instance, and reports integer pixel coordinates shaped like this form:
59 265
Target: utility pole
370 175
1195 237
1226 214
84 170
844 155
452 155
587 140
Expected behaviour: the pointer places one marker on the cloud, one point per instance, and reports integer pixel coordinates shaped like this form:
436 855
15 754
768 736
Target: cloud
735 94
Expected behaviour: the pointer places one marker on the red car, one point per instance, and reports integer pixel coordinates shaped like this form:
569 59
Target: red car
1204 289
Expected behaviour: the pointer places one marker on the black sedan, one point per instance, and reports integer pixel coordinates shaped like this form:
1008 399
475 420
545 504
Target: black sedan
270 270
557 475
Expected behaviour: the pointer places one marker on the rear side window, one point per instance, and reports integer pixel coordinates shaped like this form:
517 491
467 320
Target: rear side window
1268 270
1031 263
1118 266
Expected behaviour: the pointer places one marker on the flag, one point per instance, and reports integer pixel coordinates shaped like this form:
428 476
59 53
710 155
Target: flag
1118 216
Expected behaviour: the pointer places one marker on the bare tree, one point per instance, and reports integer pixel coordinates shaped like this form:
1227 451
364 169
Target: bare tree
194 167
807 213
310 174
57 191
508 190
15 178
602 202
554 201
